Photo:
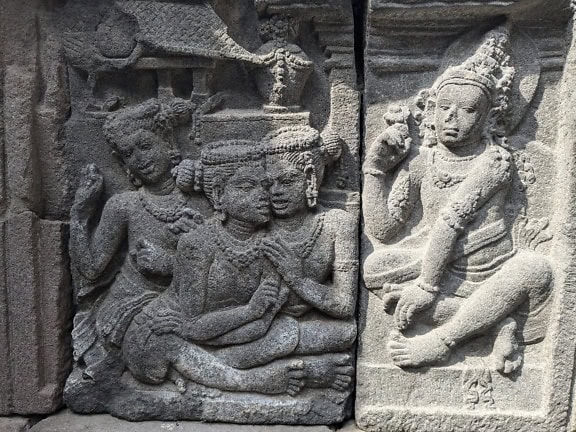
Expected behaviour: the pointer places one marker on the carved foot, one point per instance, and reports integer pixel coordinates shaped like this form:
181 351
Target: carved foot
283 376
329 371
506 356
417 351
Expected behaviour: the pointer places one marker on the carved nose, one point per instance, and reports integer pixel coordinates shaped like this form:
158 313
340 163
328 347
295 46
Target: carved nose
451 114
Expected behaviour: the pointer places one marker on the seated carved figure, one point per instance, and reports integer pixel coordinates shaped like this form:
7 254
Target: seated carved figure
315 252
458 273
148 221
216 325
270 314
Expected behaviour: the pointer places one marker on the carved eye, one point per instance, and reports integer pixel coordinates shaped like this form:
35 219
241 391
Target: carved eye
146 145
470 110
245 186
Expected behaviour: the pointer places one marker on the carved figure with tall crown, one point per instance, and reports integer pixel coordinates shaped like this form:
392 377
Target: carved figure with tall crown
458 273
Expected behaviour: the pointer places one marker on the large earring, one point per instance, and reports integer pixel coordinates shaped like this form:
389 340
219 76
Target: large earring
134 179
312 188
175 157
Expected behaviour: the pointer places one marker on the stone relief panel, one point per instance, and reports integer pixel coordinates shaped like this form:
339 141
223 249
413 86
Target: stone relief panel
213 154
463 208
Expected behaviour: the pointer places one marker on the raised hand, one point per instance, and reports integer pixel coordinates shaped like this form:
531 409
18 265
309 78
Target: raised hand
286 262
389 149
89 190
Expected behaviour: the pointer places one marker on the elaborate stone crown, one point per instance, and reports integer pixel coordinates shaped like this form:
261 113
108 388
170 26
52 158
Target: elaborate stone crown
293 139
488 68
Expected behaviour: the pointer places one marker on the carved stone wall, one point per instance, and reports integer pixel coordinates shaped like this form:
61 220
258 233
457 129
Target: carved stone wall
283 212
465 256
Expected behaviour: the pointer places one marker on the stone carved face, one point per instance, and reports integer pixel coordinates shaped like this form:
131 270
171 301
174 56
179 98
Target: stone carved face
245 196
288 188
146 156
460 114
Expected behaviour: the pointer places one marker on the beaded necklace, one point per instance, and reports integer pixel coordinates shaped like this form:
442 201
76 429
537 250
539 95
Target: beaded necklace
240 253
304 248
166 215
442 179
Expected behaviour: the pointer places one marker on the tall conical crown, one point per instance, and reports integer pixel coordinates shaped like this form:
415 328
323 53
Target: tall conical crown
489 67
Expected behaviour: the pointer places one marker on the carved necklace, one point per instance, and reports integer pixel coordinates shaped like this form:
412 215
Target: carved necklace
304 248
240 253
443 179
166 215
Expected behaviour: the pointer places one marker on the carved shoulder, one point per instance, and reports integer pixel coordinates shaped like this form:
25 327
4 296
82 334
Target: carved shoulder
341 223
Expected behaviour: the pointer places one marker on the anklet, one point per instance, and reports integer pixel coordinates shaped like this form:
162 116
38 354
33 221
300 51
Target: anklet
428 287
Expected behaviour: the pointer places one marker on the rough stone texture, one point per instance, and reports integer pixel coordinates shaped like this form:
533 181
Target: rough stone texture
69 422
466 319
15 424
34 281
213 157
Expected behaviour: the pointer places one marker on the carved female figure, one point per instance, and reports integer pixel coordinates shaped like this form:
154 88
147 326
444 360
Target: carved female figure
315 252
462 274
148 221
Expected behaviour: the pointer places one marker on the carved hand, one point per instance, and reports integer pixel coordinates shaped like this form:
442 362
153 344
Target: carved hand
413 299
185 174
265 296
89 190
389 149
288 264
150 258
188 222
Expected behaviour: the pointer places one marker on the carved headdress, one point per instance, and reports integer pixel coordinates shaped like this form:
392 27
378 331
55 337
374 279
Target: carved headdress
307 150
489 69
151 116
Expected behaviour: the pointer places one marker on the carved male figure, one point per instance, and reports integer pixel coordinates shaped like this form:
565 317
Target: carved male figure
459 272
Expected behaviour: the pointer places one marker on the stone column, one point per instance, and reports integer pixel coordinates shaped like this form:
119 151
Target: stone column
34 287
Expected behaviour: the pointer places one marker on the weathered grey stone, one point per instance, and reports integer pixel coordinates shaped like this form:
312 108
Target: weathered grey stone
213 232
70 422
467 226
34 281
14 424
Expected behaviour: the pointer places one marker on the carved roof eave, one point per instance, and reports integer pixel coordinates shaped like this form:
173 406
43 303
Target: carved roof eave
178 29
318 10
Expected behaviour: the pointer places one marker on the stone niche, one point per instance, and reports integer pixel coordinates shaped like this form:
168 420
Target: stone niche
467 305
212 156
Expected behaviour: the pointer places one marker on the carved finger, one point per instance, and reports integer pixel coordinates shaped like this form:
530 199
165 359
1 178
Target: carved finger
410 314
390 300
345 378
274 247
401 319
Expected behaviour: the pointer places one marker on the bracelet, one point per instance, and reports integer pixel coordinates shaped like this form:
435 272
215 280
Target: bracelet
428 287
